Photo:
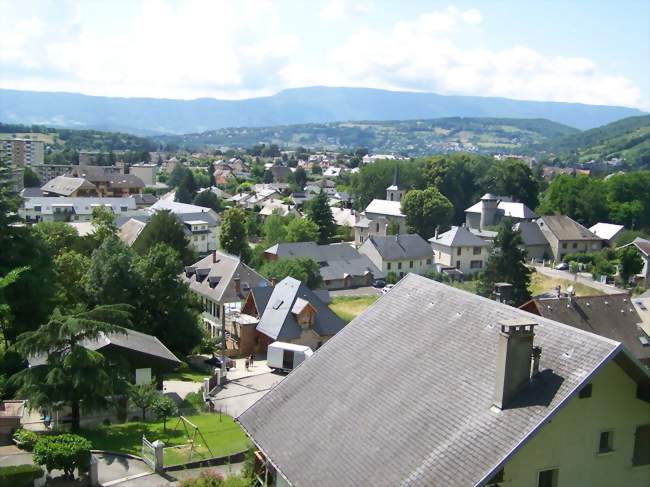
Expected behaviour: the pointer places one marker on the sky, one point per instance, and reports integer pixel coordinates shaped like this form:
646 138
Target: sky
595 52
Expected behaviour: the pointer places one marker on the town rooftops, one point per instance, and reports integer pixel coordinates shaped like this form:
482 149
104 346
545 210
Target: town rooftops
642 244
373 408
564 228
215 277
401 247
385 207
65 185
606 231
280 305
107 175
458 237
506 207
611 315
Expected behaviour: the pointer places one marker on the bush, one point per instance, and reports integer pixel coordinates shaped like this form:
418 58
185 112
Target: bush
212 478
63 452
26 439
16 475
193 403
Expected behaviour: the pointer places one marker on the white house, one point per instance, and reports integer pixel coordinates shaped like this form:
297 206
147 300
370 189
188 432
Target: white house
400 254
461 249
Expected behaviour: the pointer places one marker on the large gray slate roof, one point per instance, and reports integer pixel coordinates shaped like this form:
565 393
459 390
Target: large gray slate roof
458 237
564 228
277 319
402 247
403 394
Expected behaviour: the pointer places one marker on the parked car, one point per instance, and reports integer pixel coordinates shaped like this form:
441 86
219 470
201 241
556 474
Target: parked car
387 288
563 266
378 283
215 361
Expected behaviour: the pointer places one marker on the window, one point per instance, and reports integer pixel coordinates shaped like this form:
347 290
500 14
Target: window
641 454
476 264
477 250
411 264
388 266
399 265
458 252
458 264
37 207
548 478
575 245
360 239
377 227
585 392
605 443
428 261
124 208
564 245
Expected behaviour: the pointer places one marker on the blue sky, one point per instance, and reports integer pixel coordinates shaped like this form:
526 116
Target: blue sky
582 51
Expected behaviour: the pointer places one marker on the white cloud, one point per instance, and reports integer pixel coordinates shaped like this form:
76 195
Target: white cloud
422 55
338 9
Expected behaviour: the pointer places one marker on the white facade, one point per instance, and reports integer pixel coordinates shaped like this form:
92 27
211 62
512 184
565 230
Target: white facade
146 172
54 208
466 259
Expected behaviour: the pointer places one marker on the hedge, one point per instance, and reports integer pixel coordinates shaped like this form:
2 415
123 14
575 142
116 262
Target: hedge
16 475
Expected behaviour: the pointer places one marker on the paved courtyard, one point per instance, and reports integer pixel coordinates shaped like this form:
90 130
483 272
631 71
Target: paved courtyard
240 393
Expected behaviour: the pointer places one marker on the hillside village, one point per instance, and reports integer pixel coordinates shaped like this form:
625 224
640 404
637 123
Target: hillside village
195 283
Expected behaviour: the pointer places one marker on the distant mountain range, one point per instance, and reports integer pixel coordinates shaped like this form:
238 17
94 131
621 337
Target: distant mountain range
408 137
150 116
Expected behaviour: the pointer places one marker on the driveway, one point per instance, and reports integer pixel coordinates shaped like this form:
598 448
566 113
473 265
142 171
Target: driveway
239 394
359 291
583 278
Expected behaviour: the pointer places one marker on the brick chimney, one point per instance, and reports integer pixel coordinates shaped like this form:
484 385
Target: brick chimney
514 354
237 282
214 256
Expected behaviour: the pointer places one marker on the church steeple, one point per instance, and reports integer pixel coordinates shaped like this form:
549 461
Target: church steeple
395 192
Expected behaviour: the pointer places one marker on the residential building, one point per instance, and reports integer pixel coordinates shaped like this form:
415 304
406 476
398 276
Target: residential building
341 265
69 186
535 243
456 390
109 180
460 249
400 254
221 281
60 208
492 209
201 229
610 315
608 232
146 172
288 312
181 208
566 236
47 172
23 152
277 207
280 173
643 246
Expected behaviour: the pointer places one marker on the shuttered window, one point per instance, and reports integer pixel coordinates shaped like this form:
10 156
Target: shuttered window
641 446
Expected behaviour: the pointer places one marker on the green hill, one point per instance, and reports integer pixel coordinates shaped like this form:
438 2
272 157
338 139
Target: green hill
628 139
412 137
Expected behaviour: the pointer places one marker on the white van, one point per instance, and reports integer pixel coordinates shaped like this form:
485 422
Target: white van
286 356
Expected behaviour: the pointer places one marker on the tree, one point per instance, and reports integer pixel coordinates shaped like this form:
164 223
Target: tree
165 227
234 238
182 195
31 179
304 269
143 396
164 407
373 179
165 304
300 176
512 177
316 169
5 310
70 268
57 236
268 177
393 227
302 230
63 452
253 224
580 198
507 264
631 262
103 219
628 199
425 210
70 373
208 199
319 212
274 229
110 278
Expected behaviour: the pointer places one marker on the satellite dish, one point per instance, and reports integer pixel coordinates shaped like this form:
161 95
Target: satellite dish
570 289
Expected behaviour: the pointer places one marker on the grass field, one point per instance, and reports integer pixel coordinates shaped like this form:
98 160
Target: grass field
541 283
222 434
349 307
187 374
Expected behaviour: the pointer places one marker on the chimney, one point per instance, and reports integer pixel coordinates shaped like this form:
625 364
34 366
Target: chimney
214 256
514 354
274 281
502 292
436 232
237 282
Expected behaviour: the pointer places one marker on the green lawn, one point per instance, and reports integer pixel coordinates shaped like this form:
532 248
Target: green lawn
222 434
187 375
349 307
541 283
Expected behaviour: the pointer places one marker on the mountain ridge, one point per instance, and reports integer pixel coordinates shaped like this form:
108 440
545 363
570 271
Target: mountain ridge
316 104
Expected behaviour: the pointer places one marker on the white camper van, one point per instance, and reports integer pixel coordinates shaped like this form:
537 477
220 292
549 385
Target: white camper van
286 356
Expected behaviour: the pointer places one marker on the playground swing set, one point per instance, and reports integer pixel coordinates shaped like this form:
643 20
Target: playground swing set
192 431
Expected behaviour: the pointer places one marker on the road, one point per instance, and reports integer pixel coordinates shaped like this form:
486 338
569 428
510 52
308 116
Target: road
582 279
